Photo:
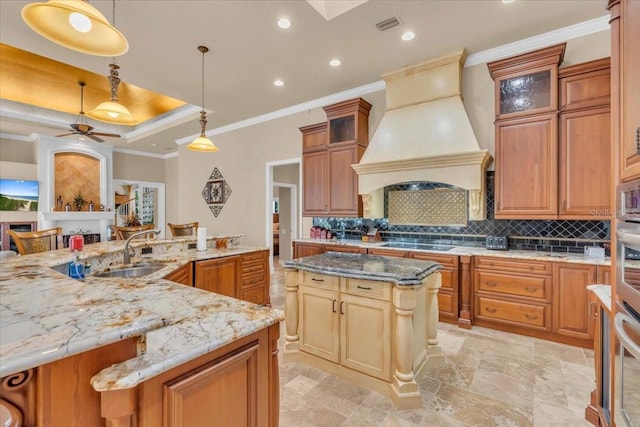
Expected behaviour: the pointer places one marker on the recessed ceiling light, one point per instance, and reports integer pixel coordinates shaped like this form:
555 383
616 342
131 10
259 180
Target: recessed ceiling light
409 35
335 62
278 83
154 145
508 1
284 23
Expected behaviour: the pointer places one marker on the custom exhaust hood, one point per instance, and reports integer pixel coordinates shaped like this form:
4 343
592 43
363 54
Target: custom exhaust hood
425 135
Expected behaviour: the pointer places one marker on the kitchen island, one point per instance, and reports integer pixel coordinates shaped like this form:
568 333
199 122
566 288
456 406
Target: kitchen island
135 351
369 319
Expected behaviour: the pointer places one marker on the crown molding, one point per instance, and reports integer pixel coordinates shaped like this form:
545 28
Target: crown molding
185 114
144 153
20 138
294 109
541 40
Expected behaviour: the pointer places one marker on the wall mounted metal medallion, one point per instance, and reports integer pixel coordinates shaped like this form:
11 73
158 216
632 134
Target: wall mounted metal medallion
216 192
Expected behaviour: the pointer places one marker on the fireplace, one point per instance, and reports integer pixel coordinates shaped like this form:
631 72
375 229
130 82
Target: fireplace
68 184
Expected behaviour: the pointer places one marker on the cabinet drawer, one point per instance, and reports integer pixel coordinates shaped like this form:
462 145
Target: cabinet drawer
537 316
505 264
253 258
254 295
446 303
257 279
319 280
527 286
368 288
250 269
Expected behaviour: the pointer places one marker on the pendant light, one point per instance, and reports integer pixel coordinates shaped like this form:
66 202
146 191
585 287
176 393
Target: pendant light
112 111
202 143
77 25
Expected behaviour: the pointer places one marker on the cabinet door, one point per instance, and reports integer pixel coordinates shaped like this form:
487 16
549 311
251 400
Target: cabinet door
604 275
585 164
387 252
301 250
218 275
315 176
343 181
342 248
182 275
571 299
629 76
448 296
526 168
319 322
365 335
228 386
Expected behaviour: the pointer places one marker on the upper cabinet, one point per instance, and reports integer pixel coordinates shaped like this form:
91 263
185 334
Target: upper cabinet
625 72
552 131
330 185
526 93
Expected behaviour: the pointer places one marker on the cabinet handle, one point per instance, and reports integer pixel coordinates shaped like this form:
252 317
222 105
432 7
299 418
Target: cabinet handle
341 307
638 140
531 316
317 280
593 310
363 287
491 310
531 289
491 284
333 306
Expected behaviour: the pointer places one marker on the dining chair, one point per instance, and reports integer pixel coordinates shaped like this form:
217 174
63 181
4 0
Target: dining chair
123 233
31 242
188 229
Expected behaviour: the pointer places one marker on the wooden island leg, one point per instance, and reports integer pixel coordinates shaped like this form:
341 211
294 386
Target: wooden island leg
434 282
404 384
292 340
118 407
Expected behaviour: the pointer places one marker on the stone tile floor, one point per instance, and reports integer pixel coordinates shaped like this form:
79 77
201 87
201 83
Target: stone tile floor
490 378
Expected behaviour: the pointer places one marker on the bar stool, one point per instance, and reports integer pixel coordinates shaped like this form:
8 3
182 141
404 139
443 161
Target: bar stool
31 242
123 233
188 229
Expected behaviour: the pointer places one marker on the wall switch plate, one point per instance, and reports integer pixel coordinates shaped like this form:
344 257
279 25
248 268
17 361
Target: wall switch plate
192 245
147 251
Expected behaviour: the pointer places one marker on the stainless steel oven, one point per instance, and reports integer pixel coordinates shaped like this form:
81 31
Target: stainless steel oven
627 318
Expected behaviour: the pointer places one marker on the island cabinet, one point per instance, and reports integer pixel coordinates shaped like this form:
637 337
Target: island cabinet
373 332
348 324
183 275
244 276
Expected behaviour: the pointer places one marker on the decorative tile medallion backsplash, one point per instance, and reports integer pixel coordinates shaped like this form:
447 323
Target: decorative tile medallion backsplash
548 235
423 207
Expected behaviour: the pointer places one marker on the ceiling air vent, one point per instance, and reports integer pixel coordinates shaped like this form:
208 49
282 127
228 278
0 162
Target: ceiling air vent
388 23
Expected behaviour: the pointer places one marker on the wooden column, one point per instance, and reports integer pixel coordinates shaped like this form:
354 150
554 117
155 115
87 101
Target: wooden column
18 399
464 318
292 340
434 282
274 377
118 407
405 300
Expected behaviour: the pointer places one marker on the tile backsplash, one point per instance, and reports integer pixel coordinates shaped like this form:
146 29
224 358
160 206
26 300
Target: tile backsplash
547 235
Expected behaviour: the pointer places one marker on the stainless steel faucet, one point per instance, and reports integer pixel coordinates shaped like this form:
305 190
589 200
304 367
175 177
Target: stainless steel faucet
127 254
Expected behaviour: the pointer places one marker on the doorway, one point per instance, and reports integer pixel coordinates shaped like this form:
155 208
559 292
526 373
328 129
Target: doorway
140 203
283 179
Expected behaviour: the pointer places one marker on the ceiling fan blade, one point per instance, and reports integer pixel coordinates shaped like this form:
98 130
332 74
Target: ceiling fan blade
115 135
95 138
67 134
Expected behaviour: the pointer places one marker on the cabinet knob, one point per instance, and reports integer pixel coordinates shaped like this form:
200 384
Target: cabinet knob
531 316
491 310
491 284
528 289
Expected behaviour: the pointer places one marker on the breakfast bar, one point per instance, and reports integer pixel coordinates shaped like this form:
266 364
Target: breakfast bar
369 319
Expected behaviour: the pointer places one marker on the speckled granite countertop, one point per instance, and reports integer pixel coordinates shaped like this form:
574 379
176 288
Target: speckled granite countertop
475 251
603 293
401 271
46 316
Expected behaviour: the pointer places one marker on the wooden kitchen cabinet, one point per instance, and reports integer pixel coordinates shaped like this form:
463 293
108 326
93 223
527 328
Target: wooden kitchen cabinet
585 183
183 275
244 276
302 249
603 275
625 85
347 323
330 185
448 294
526 176
571 299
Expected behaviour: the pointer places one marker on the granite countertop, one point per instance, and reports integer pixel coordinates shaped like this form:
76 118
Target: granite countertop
46 316
401 271
603 293
479 251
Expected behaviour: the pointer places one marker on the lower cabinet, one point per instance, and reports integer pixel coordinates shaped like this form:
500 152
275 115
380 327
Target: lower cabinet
347 327
301 250
571 299
244 276
183 275
544 299
448 294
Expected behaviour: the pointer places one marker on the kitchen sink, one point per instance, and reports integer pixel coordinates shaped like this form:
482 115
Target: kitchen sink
135 270
425 246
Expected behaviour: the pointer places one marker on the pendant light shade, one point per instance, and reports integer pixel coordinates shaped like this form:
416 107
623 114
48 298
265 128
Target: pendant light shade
112 111
202 143
77 25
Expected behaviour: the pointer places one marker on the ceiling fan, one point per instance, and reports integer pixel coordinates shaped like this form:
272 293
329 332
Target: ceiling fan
82 127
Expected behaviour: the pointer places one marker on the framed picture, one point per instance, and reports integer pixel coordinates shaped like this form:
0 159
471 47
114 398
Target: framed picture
216 191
